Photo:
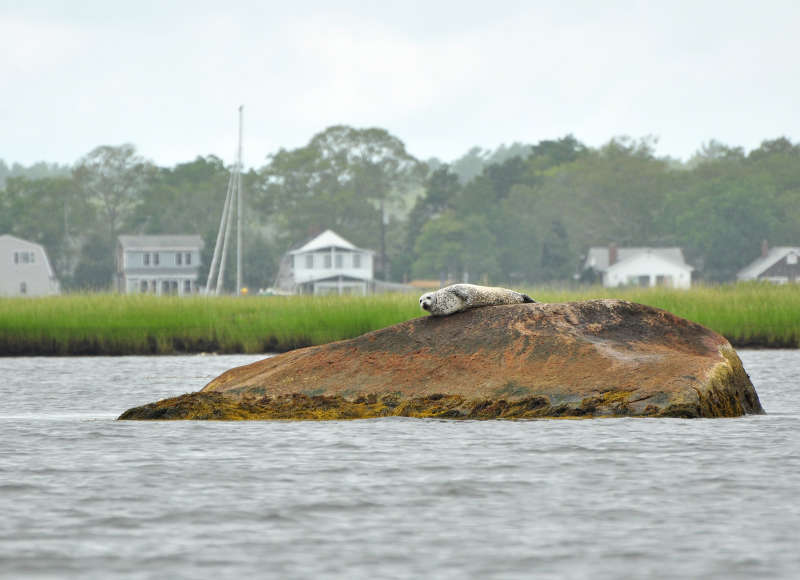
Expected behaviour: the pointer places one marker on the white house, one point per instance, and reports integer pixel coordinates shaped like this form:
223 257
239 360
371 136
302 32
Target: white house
158 264
780 265
642 266
327 264
25 269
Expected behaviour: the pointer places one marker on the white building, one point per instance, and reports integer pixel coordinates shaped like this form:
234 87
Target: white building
779 265
642 266
158 264
25 269
327 264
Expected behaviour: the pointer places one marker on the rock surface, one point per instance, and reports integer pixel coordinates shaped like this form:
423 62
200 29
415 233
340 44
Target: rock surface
575 359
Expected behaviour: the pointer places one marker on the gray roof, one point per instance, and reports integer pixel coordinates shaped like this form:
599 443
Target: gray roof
598 256
16 240
168 242
759 265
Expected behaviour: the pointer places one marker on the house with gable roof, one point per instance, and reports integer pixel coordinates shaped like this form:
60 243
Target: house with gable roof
779 265
639 266
25 269
327 264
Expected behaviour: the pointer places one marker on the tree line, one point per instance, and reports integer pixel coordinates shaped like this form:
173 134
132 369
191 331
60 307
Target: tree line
522 214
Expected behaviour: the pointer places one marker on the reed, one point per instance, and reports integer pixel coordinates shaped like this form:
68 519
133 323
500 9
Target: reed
747 314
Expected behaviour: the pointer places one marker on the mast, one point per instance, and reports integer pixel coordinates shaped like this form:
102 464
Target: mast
212 271
239 209
233 203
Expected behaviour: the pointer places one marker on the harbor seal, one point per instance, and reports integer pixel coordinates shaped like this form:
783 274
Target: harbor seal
458 297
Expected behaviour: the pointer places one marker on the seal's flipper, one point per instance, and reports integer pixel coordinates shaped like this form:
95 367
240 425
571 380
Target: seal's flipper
460 292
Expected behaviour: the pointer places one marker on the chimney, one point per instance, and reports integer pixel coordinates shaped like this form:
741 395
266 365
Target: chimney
612 254
764 248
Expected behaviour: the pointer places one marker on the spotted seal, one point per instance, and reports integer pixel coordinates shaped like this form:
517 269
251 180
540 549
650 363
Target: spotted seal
458 297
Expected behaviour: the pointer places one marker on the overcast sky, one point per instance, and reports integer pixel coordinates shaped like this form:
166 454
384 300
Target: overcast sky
442 76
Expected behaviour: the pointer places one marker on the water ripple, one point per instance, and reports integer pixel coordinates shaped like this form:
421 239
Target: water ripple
84 496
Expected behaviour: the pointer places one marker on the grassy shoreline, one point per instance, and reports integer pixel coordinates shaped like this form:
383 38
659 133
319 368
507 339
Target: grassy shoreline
749 315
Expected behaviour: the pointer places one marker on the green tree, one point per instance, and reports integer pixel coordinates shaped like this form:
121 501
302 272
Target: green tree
515 225
38 170
441 193
113 178
51 212
185 199
456 248
558 260
617 193
552 153
724 224
344 175
95 267
476 160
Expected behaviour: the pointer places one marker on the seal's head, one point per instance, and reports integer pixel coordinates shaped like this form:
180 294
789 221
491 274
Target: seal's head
443 302
426 301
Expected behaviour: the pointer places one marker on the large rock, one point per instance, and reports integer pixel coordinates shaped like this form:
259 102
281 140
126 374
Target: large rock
577 359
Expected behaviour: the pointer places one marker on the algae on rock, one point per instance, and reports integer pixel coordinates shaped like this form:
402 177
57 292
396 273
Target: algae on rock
599 358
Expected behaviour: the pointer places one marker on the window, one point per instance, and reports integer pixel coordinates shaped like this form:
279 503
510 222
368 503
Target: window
326 261
356 260
24 257
178 259
188 260
144 286
23 287
309 260
155 258
146 259
187 286
339 260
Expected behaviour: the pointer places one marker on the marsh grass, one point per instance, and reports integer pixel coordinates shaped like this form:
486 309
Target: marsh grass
144 324
747 314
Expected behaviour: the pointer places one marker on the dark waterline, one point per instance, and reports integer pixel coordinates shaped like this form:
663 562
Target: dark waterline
85 496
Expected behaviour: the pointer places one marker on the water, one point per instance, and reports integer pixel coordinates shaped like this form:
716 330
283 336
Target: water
84 496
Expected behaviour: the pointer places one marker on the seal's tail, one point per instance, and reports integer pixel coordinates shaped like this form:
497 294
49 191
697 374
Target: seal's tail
526 298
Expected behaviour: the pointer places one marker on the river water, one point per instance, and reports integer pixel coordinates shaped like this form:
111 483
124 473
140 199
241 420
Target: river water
85 496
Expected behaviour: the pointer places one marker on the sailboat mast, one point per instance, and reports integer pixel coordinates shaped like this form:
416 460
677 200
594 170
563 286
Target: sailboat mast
216 280
212 272
239 210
